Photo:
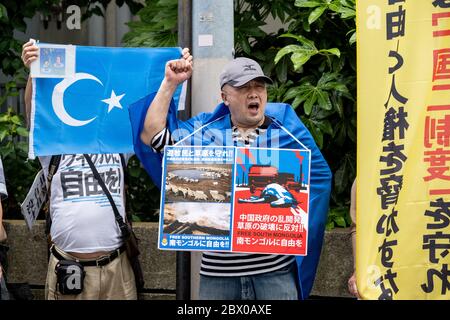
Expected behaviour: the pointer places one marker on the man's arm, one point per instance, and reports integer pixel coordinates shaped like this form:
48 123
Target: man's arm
29 54
3 195
28 93
352 285
176 72
353 216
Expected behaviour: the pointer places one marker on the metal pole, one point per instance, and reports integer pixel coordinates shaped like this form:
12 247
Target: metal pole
123 15
185 41
183 277
212 48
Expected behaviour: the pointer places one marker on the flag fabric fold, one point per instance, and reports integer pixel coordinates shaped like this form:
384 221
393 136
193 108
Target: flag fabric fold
88 112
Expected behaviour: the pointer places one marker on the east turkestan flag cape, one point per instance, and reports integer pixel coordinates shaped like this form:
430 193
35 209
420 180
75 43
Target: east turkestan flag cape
284 127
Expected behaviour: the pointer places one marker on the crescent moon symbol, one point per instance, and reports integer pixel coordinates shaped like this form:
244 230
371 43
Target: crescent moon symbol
58 99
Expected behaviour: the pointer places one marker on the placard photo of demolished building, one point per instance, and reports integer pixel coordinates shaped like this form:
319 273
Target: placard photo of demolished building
196 200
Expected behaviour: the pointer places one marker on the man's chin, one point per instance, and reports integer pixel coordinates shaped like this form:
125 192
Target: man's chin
254 123
251 121
258 120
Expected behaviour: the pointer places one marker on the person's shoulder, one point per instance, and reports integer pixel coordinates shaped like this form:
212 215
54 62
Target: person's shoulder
278 110
127 157
354 188
277 105
45 161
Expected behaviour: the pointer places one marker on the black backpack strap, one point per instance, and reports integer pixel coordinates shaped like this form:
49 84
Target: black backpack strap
126 180
52 168
124 228
124 167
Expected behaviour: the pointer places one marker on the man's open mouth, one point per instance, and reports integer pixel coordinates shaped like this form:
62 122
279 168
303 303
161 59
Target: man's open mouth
253 106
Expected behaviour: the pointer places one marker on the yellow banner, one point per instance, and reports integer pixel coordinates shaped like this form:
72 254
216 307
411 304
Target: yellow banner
403 159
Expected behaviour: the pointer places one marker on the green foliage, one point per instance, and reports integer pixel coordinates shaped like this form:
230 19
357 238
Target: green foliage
13 14
346 9
312 62
157 26
19 171
142 195
300 54
338 217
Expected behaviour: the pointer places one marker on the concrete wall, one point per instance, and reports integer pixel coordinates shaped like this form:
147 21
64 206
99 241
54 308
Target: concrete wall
28 261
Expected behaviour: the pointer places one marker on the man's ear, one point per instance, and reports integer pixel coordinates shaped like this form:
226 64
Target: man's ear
224 99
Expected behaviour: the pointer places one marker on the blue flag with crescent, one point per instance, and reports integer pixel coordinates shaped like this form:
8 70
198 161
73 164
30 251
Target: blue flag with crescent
285 131
88 113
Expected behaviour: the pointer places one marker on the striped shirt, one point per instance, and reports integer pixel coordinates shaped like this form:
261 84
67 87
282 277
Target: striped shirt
251 135
227 264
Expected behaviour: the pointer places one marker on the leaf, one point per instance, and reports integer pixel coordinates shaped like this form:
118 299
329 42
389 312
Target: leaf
6 152
325 79
347 13
307 3
303 40
315 14
351 133
333 51
3 135
338 107
4 117
335 6
136 218
352 39
286 50
340 134
324 126
317 135
329 226
22 132
10 85
279 13
298 100
340 221
298 91
281 71
307 106
299 58
244 43
97 11
343 174
255 32
3 13
134 172
340 87
16 120
23 146
324 100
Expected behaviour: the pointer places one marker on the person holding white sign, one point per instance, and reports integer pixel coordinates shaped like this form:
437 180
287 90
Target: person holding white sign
4 295
86 221
243 120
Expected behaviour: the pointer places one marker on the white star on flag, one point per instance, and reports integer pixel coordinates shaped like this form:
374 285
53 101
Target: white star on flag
113 101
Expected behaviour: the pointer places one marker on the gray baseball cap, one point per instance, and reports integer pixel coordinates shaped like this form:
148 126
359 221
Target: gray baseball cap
240 71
